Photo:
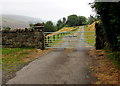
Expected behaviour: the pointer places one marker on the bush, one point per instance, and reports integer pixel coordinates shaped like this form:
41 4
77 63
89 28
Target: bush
6 28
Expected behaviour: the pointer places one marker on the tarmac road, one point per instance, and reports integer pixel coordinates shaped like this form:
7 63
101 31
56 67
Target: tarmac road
61 66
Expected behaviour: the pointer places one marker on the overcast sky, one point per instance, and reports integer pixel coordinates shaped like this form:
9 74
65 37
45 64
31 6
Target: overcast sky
47 9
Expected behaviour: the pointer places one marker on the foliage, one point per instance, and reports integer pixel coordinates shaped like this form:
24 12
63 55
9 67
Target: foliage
91 19
49 27
64 20
6 28
108 33
31 25
109 15
81 20
61 23
72 20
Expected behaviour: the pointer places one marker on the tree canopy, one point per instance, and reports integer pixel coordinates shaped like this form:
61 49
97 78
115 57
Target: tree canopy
72 20
49 26
82 20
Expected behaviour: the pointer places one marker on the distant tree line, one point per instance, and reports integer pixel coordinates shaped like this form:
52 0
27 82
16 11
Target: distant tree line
71 20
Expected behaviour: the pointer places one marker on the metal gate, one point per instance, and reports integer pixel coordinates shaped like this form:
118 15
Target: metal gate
70 39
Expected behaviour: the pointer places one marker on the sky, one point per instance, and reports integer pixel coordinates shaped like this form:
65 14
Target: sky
46 9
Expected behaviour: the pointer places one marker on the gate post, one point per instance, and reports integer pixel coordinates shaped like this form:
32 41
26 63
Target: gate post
39 27
54 38
99 43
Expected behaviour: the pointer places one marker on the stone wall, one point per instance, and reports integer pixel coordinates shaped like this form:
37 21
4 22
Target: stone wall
23 38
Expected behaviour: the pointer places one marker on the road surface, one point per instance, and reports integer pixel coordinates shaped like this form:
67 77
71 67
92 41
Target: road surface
61 66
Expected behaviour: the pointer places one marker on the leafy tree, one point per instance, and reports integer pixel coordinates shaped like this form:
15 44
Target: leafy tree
91 19
49 26
72 20
59 22
64 20
81 20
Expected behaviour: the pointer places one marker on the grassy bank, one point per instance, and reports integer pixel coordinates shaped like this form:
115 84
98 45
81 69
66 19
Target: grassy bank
104 70
13 56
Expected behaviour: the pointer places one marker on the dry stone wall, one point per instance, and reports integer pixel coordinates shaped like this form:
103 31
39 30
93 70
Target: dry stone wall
23 38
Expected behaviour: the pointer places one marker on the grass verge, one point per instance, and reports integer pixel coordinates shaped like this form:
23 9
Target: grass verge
103 68
13 59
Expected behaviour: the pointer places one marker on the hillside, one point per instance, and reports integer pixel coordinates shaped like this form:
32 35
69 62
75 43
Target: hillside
91 27
16 21
64 29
